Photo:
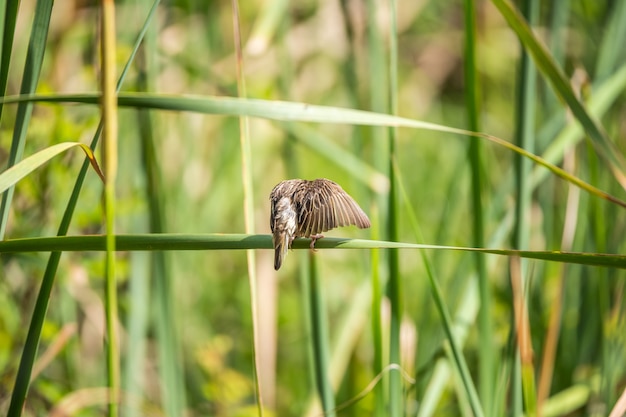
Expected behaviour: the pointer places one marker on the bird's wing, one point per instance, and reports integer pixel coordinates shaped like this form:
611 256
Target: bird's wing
325 205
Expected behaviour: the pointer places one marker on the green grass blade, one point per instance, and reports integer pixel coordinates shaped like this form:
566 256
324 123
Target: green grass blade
349 331
522 389
394 284
32 70
266 26
202 145
41 305
612 45
377 324
377 88
319 339
559 82
567 401
458 360
8 18
172 381
604 96
485 327
287 111
140 295
172 241
18 171
437 385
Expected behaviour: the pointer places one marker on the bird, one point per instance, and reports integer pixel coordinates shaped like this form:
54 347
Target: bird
303 208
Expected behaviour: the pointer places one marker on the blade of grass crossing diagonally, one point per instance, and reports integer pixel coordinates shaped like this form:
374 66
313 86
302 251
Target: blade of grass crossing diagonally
457 354
438 383
27 358
561 85
599 103
7 180
486 351
109 146
32 69
30 78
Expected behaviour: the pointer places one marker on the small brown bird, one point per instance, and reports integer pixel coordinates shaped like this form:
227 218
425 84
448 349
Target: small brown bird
302 208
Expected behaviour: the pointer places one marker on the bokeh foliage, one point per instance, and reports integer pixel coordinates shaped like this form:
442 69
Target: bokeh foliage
185 316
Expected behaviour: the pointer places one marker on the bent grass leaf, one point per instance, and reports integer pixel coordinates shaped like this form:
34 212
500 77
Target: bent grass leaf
303 112
18 171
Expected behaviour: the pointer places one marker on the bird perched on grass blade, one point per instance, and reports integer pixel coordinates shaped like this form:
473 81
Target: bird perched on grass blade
302 208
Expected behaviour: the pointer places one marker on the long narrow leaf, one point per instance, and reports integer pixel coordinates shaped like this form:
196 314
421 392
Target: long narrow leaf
41 305
524 138
319 338
548 67
159 280
18 171
8 18
32 70
487 358
167 241
281 110
457 359
394 284
30 80
248 205
109 150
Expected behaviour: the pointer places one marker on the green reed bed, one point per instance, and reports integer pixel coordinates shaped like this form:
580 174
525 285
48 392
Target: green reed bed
413 108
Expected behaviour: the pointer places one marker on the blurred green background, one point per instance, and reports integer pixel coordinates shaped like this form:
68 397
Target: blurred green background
188 167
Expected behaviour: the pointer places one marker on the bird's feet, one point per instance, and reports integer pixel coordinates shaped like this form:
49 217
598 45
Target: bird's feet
313 240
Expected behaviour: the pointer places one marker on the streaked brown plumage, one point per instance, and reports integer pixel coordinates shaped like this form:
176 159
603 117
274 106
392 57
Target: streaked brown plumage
302 208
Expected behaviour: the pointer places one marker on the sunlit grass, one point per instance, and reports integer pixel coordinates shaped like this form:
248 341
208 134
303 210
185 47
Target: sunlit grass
328 329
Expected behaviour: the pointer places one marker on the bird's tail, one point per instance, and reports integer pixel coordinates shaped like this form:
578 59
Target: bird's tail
281 245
